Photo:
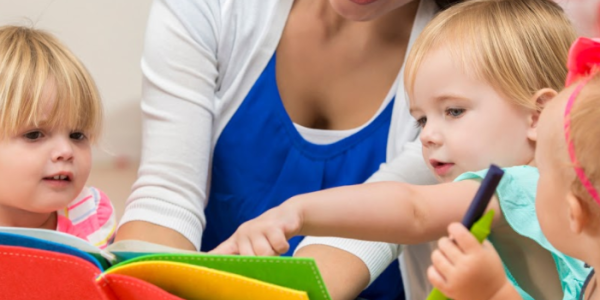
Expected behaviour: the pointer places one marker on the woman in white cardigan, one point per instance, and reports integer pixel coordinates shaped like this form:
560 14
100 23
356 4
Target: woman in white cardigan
247 103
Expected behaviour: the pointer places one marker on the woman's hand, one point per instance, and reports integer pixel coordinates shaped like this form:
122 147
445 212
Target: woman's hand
463 269
267 234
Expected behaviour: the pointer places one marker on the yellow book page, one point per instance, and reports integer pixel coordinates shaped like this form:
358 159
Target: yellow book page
195 282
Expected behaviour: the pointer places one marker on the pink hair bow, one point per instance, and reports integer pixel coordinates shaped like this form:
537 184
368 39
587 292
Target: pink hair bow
584 56
584 59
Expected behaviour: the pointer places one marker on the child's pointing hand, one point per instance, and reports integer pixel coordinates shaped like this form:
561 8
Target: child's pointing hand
265 235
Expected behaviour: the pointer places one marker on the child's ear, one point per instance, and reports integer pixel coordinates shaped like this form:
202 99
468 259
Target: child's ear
577 215
541 98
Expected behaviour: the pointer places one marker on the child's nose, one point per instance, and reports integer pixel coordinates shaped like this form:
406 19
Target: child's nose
430 136
63 150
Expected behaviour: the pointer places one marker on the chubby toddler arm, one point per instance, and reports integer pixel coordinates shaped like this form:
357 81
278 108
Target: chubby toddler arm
384 211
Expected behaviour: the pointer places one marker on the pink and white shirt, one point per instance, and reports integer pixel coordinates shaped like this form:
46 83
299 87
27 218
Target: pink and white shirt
90 216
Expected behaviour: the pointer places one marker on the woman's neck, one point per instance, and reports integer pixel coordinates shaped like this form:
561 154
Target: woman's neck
392 27
14 217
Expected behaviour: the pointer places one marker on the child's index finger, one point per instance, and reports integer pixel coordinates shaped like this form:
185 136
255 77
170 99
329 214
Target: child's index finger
227 247
478 233
464 239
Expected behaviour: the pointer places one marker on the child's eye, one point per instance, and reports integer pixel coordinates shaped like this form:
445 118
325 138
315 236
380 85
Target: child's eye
79 136
420 123
33 135
455 112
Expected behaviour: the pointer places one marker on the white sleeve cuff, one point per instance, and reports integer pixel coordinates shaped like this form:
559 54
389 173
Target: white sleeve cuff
167 215
376 255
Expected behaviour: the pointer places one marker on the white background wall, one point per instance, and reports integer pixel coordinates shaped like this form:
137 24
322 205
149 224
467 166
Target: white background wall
107 35
584 15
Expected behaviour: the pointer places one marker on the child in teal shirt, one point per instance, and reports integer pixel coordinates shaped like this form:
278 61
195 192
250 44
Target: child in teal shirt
567 204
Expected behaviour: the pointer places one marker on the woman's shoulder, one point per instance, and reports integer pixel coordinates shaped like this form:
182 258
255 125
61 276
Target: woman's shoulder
221 11
231 26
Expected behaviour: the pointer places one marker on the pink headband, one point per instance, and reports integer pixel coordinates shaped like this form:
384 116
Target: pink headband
584 57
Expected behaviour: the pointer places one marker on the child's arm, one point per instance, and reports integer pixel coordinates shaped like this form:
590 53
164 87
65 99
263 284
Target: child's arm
463 269
387 211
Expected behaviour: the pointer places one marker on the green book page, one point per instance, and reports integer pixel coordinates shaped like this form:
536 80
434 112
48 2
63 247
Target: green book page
292 272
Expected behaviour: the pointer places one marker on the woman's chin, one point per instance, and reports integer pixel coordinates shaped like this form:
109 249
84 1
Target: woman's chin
365 10
357 10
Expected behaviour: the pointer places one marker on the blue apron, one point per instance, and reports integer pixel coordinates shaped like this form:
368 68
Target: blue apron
260 160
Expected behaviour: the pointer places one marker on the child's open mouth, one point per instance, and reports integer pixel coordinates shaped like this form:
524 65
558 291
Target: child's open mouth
58 177
441 168
59 180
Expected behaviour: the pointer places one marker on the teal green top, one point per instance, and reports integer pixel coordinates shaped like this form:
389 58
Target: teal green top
516 195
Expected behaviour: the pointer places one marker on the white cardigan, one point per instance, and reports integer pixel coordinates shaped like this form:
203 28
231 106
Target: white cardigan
200 60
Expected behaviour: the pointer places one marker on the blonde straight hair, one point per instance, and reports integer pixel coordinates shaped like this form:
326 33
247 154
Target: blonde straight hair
518 46
32 63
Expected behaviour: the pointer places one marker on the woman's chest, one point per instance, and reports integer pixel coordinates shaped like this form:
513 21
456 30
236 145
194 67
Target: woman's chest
334 86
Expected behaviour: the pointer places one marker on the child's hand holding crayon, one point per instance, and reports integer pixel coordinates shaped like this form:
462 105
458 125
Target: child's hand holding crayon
464 269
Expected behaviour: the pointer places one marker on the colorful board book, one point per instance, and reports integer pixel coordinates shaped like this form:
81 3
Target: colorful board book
44 264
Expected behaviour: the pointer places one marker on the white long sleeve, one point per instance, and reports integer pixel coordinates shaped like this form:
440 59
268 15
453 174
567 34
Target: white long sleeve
201 57
178 108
